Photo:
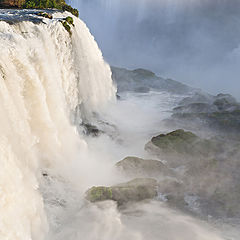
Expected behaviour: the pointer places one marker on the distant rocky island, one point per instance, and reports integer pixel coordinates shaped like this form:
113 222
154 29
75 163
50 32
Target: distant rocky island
38 4
142 81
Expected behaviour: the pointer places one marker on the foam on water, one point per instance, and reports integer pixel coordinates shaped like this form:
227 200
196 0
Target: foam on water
45 75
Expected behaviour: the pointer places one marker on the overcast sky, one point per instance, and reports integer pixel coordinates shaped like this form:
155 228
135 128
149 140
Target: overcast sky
193 41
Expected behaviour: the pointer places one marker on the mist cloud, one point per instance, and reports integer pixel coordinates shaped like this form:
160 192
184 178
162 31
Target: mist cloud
196 42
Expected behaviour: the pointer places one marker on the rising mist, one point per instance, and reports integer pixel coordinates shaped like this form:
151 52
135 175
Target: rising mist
195 42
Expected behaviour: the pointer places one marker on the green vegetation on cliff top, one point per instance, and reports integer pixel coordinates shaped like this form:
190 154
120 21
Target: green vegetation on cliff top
39 4
58 4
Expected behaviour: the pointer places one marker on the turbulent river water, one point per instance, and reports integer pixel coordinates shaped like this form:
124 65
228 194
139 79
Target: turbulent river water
50 83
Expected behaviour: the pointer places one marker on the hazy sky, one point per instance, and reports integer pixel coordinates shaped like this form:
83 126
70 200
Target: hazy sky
193 41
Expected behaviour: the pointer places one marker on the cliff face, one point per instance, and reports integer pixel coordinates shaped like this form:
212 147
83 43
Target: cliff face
11 3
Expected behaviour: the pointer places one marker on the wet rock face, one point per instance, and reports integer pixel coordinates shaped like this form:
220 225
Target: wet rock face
209 182
91 130
201 102
136 190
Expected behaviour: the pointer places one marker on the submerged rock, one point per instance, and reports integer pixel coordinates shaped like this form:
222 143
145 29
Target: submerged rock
136 190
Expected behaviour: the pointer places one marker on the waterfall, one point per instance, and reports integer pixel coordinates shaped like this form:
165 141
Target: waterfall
45 75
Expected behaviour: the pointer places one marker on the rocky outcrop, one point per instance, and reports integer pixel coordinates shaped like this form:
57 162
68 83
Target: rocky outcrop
218 114
142 80
198 97
182 146
204 103
208 180
67 23
136 190
138 167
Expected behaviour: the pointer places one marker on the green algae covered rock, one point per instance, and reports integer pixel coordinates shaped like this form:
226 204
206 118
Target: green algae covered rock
45 15
183 147
69 20
176 141
96 194
67 27
185 143
136 190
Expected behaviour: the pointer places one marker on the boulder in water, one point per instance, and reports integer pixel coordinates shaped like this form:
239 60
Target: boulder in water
217 114
208 179
182 147
136 190
138 167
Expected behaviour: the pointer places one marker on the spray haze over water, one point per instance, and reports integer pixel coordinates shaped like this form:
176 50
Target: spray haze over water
43 74
195 42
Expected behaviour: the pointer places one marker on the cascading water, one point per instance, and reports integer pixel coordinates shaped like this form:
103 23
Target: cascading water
45 75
